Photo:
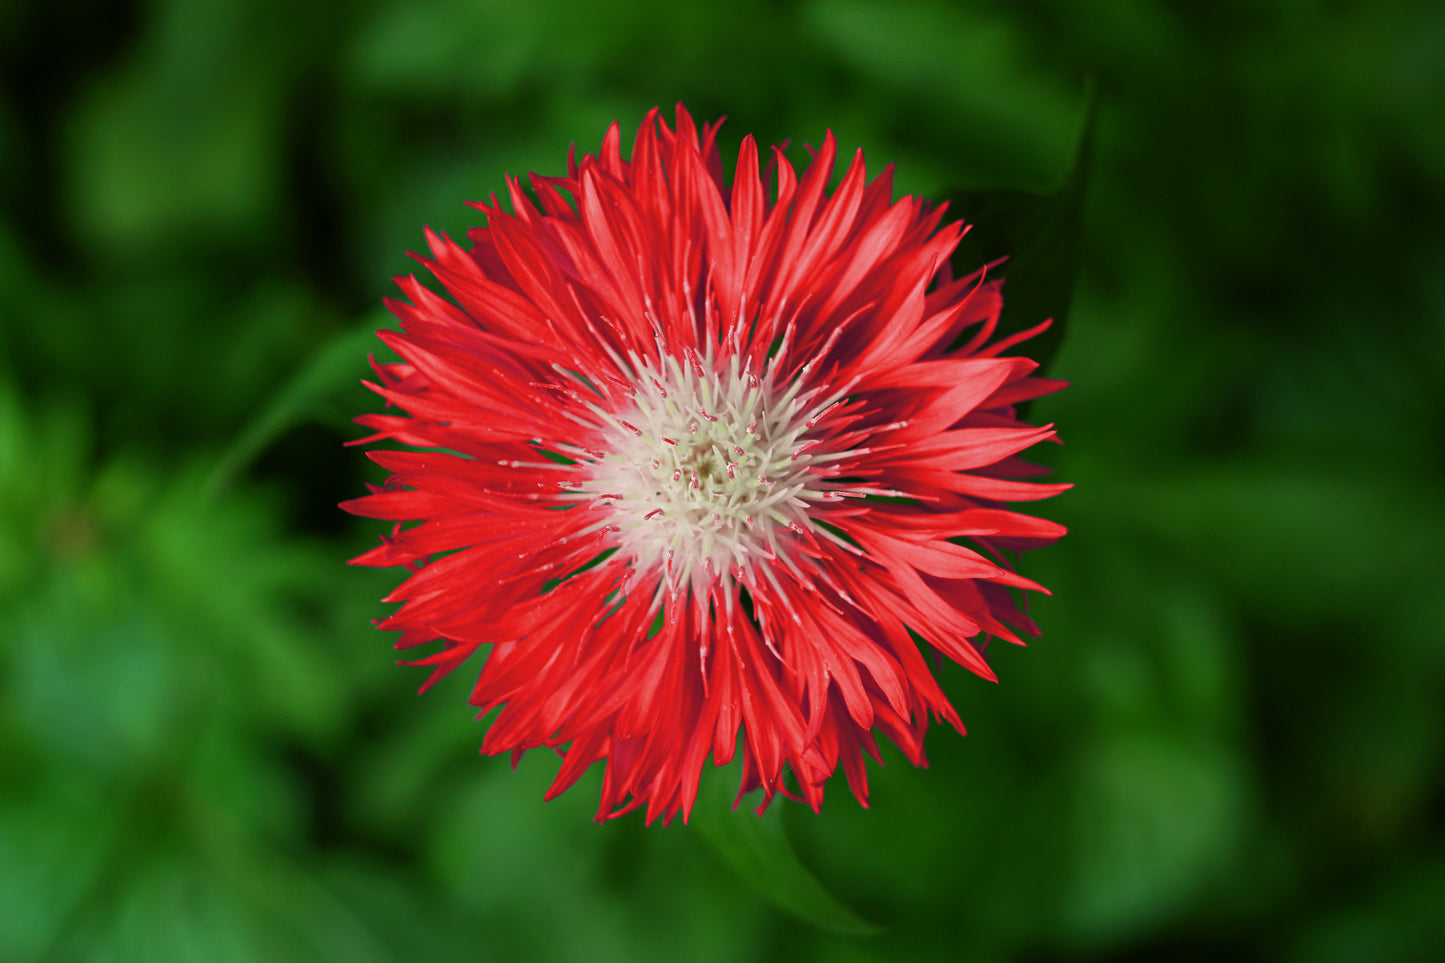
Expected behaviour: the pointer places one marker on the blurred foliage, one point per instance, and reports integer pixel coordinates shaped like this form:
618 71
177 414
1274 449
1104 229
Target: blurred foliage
1039 236
1229 742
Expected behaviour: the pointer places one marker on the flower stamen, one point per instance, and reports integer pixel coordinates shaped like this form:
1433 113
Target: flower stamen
722 498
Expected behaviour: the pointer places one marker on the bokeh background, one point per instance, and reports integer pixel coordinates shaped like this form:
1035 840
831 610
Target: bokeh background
1228 742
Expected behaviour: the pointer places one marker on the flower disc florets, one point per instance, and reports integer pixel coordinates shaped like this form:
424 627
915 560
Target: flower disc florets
705 469
700 466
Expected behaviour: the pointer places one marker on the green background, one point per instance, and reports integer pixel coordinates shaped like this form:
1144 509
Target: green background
1228 742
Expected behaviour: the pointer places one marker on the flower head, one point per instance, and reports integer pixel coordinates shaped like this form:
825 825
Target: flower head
694 464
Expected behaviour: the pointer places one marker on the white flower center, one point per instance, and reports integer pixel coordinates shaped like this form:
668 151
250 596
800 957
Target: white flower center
705 470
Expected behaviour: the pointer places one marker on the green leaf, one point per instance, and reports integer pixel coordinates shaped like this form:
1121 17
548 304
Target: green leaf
757 848
311 394
1156 817
1040 234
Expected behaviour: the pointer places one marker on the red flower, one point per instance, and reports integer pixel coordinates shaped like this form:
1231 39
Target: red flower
694 463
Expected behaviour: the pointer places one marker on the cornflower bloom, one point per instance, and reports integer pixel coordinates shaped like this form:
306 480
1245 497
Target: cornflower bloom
690 463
